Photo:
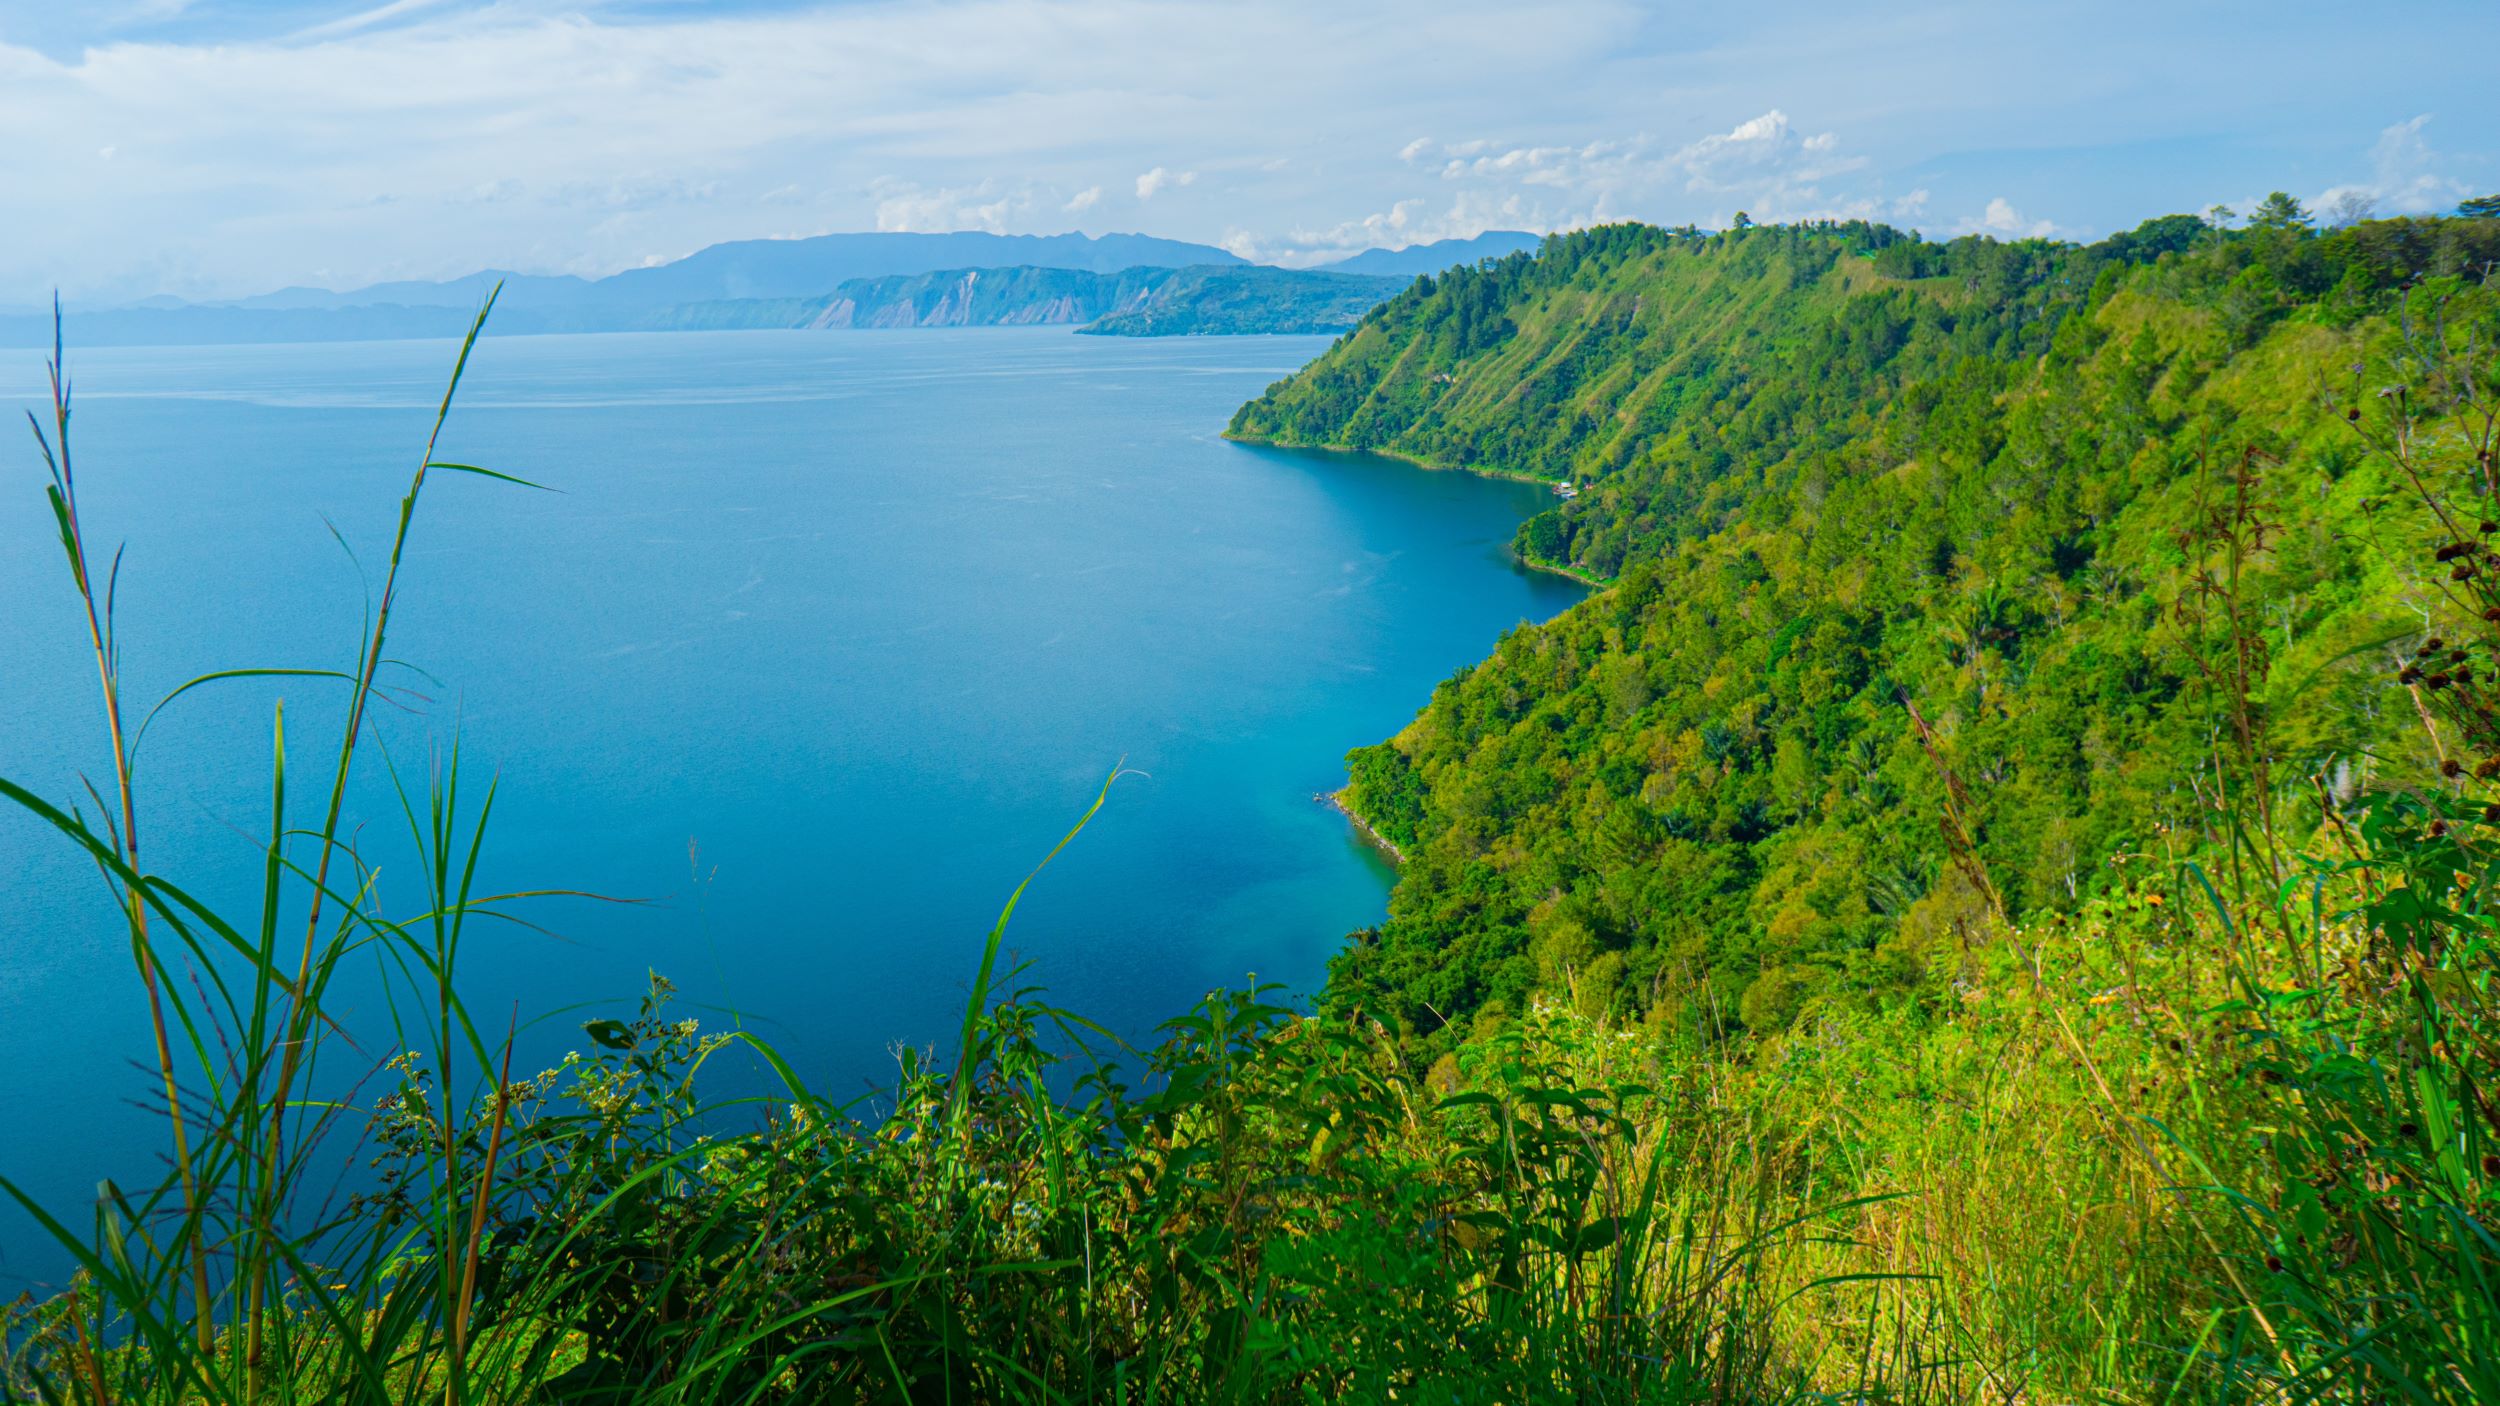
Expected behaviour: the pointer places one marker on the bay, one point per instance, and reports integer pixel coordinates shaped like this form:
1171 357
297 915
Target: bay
821 643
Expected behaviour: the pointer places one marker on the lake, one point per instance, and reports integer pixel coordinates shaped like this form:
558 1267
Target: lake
822 643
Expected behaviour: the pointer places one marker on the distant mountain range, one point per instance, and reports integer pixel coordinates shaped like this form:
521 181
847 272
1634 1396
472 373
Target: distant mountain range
776 268
1144 285
1432 258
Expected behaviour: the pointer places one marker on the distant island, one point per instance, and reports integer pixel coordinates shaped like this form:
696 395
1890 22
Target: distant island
1113 285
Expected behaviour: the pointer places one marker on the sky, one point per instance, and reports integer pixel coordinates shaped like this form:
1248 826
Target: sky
216 148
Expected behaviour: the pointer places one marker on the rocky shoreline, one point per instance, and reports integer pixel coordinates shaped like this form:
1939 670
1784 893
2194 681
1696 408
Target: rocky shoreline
1336 801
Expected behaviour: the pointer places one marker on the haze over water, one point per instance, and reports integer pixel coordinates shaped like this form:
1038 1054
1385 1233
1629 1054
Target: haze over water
824 642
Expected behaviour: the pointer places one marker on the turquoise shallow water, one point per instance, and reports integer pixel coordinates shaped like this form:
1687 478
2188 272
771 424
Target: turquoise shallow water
825 641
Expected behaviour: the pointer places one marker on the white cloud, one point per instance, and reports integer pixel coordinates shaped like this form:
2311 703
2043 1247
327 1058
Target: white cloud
1084 199
1404 223
1414 148
1764 156
905 207
2405 178
1160 179
363 19
2002 219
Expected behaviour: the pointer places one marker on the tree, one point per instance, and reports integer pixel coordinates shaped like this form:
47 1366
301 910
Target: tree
1742 221
2350 207
2220 218
2279 211
2481 207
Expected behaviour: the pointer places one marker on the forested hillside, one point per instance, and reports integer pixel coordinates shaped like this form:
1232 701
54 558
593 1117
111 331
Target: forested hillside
1907 542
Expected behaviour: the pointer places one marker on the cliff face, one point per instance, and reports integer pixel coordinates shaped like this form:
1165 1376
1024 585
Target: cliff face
1139 302
1011 297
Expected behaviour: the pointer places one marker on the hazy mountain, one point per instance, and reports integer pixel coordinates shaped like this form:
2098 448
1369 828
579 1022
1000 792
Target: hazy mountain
1144 302
772 268
1436 256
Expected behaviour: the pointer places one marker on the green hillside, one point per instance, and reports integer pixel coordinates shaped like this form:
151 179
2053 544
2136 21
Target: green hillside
1840 475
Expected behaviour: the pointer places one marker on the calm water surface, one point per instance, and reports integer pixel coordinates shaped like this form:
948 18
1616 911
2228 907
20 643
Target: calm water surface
823 643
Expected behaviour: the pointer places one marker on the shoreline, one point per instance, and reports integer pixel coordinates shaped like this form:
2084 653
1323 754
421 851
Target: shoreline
1336 801
1594 583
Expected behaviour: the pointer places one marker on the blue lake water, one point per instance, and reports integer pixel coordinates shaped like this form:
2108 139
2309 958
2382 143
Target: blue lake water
825 641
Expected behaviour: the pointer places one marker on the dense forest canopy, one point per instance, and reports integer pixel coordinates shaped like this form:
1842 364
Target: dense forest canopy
1901 537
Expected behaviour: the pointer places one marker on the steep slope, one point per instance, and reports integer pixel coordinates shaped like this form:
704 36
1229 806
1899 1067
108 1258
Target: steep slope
1850 483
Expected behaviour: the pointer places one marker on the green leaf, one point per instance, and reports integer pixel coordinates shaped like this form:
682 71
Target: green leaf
614 1034
490 473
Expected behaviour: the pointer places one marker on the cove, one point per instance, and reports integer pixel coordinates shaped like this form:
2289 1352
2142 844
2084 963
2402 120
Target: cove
820 645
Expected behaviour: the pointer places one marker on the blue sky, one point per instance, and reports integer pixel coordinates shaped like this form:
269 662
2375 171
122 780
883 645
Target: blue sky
214 147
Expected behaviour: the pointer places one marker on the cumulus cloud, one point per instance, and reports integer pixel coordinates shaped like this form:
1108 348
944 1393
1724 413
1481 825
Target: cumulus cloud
1084 199
903 207
1160 179
1762 165
1404 223
1414 149
2406 178
2003 220
1763 155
